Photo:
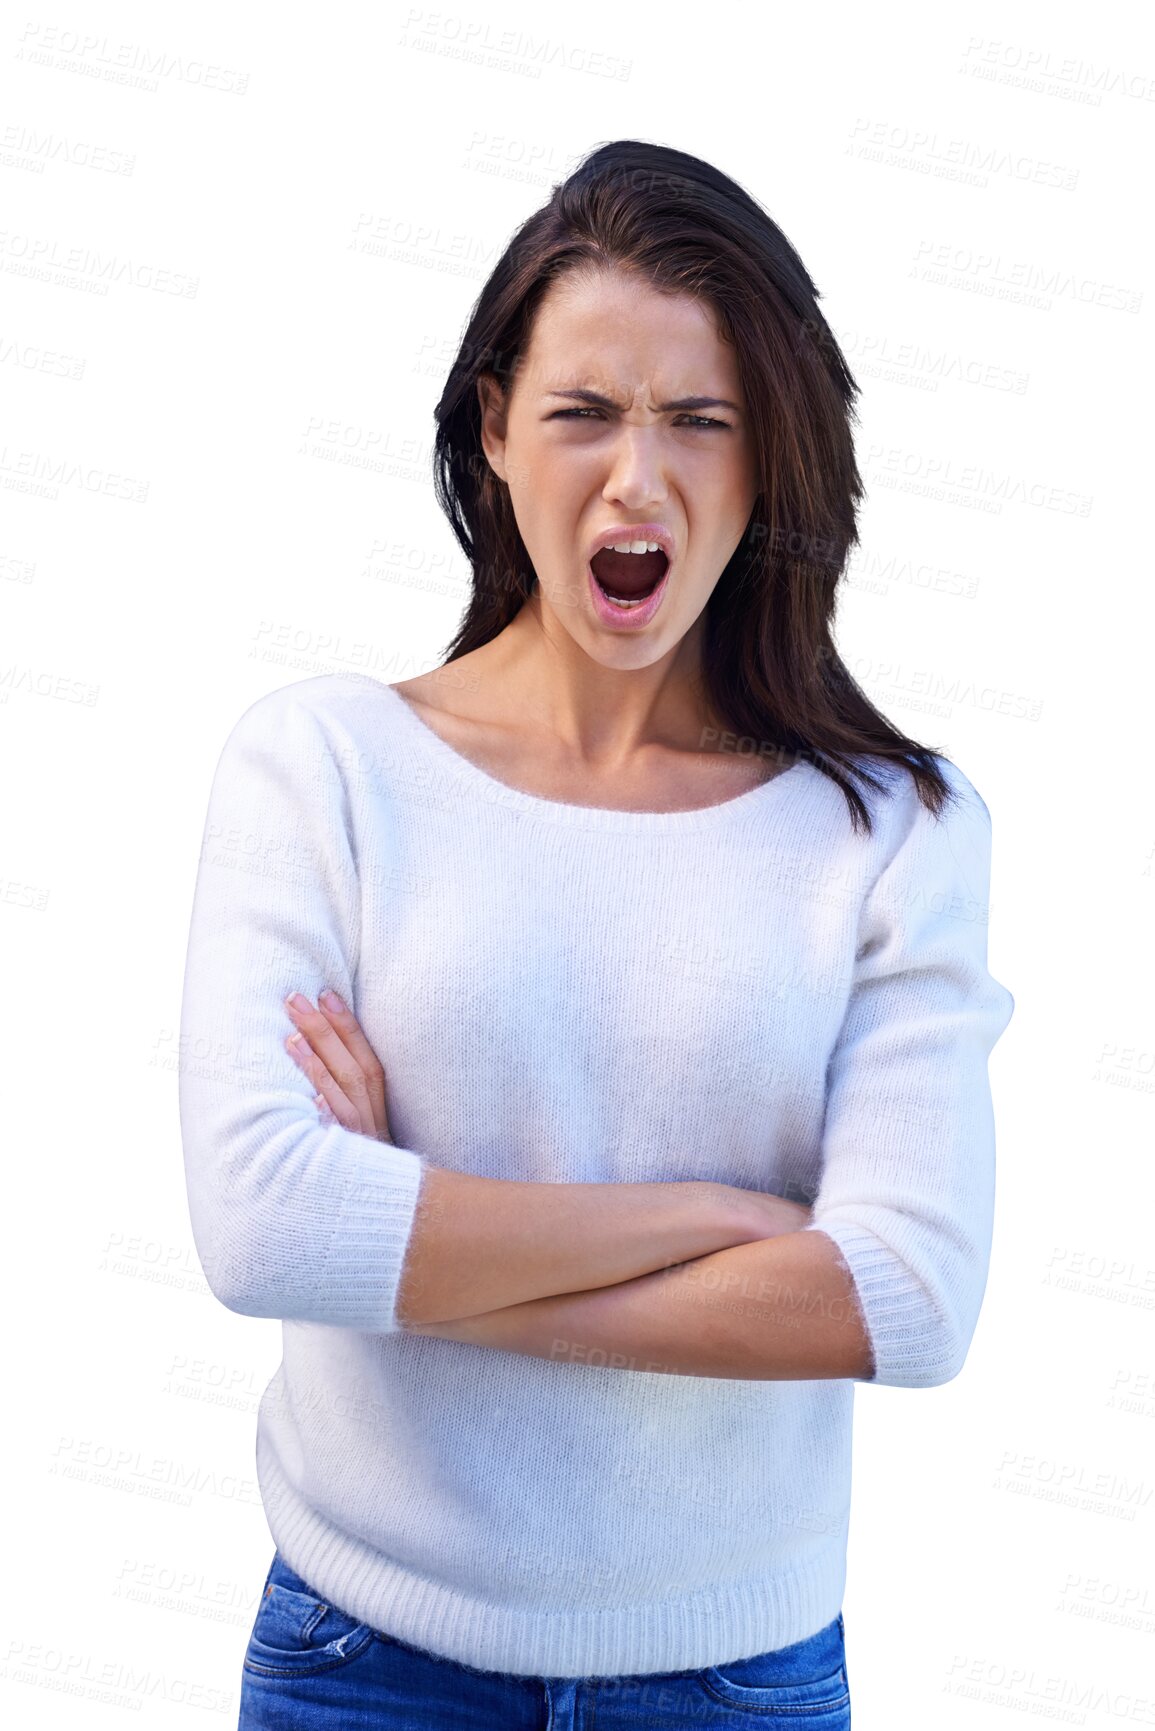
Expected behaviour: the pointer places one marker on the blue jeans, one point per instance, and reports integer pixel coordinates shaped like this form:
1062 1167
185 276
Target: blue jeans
310 1665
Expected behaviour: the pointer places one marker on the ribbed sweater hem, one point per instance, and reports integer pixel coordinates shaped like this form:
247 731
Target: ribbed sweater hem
711 1627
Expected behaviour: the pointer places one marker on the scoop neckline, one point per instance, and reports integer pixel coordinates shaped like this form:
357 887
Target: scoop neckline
605 817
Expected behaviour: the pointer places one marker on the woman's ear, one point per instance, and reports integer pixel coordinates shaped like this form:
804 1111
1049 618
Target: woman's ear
494 410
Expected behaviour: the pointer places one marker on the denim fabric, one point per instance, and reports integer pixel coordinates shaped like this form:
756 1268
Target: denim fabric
309 1665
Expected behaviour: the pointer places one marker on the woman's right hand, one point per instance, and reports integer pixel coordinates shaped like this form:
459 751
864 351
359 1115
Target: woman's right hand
341 1065
344 1069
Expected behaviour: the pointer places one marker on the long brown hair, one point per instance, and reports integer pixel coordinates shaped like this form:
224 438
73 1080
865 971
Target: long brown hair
769 664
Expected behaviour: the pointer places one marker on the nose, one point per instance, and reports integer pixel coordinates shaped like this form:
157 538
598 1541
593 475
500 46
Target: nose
636 477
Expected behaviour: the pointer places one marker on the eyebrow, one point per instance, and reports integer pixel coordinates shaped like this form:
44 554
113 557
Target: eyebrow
600 402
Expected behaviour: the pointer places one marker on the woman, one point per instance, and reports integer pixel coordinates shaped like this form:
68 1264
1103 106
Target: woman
651 1111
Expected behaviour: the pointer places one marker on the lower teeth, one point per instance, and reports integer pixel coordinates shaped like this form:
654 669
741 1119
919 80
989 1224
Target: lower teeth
624 605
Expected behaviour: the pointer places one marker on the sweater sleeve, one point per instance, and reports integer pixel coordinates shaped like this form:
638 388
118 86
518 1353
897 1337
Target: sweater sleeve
290 1218
907 1190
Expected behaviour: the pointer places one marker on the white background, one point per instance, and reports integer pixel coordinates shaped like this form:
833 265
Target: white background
211 493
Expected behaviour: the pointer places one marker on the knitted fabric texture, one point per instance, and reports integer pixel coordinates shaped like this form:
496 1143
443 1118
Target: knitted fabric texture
750 993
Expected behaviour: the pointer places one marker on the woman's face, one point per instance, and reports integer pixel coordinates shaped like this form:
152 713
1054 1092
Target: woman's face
577 468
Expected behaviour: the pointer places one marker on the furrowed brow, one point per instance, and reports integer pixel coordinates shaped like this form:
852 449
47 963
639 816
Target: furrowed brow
596 400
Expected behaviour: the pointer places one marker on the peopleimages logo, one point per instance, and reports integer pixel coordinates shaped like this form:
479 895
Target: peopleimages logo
1035 68
996 487
990 274
903 146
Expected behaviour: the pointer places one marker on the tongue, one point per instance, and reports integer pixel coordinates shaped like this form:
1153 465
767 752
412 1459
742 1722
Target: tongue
628 575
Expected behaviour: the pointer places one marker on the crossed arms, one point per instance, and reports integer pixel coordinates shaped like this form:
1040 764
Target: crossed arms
683 1279
307 1219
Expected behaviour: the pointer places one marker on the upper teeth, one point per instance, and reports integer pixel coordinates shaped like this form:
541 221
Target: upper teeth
635 547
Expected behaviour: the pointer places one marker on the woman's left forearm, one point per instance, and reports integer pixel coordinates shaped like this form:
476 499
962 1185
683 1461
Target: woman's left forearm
781 1308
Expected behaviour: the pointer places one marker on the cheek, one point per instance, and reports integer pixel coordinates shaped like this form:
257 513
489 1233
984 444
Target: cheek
740 480
545 489
552 503
738 501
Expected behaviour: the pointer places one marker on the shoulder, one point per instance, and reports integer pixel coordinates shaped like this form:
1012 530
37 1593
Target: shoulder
308 740
332 715
967 802
901 811
916 848
934 864
323 697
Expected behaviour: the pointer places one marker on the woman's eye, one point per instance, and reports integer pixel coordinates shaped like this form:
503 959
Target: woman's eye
700 420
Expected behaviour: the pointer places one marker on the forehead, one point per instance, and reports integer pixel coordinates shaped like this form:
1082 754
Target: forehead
610 330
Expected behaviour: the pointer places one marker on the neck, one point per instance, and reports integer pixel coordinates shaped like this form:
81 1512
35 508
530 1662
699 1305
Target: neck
598 709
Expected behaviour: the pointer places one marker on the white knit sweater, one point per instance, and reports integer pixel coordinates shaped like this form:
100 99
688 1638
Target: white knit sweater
749 993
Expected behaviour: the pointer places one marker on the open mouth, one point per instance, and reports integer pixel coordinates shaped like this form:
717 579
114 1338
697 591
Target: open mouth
628 579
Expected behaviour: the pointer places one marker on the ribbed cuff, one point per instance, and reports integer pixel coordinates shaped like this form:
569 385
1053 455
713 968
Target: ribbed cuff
908 1336
361 1273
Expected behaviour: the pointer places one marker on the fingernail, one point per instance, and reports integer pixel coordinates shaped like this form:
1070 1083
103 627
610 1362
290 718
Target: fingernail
332 1002
297 1002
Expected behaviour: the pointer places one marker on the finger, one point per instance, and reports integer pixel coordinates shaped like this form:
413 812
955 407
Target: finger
348 1027
328 1093
342 1066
